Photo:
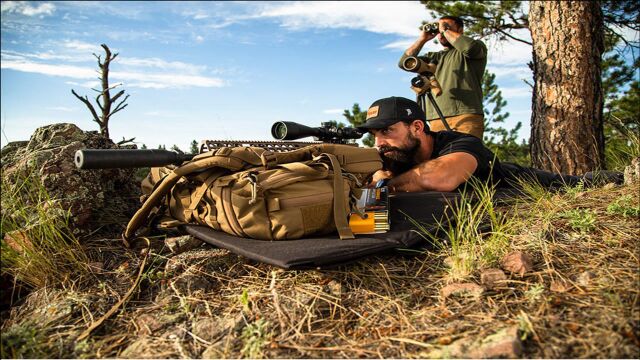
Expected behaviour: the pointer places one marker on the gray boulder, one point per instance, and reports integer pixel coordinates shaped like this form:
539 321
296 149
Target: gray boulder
96 199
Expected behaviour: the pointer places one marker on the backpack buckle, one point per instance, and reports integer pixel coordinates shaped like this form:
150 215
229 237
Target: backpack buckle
268 159
253 179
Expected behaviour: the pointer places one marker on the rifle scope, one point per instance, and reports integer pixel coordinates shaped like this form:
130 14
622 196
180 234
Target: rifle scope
127 158
288 130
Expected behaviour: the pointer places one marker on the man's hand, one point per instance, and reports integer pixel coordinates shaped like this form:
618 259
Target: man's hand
448 32
415 48
379 175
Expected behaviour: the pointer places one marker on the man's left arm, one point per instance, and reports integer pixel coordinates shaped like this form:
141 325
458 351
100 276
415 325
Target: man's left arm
444 173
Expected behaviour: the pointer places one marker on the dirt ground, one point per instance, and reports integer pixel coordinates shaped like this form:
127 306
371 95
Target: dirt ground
578 298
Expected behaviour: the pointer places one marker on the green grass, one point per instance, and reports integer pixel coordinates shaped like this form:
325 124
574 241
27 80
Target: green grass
478 234
38 247
582 220
625 205
254 337
620 152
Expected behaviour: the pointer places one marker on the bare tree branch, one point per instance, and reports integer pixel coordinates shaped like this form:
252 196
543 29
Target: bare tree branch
103 98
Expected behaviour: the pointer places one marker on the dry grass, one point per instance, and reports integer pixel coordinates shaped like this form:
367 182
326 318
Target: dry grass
581 299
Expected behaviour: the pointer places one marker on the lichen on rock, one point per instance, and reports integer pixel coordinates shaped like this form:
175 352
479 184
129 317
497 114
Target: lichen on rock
96 199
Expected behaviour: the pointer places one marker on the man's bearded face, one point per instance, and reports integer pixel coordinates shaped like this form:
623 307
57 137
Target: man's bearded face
400 158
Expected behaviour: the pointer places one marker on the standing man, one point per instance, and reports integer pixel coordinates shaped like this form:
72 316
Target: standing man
459 69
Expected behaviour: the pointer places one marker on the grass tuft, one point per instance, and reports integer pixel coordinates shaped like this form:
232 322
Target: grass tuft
38 247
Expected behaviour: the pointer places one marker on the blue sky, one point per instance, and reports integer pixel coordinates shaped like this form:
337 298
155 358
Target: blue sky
217 70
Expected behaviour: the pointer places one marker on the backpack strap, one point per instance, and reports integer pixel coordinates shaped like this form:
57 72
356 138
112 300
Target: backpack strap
339 201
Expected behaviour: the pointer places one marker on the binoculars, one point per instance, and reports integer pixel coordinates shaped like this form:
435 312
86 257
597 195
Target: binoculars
430 28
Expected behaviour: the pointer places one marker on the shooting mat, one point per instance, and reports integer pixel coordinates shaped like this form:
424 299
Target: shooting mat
316 252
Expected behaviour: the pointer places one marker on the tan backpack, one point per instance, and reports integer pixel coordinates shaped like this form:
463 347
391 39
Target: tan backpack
257 193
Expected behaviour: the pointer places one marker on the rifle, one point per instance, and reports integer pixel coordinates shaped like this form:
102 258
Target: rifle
284 131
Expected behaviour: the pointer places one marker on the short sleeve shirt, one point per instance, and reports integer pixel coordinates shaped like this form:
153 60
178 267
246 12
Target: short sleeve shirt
448 142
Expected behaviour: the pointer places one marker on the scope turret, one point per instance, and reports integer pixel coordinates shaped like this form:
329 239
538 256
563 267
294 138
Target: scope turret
127 158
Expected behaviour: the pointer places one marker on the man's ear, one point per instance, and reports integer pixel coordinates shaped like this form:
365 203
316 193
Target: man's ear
417 126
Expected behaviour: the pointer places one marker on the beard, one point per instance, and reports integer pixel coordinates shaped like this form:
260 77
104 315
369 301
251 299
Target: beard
444 42
399 159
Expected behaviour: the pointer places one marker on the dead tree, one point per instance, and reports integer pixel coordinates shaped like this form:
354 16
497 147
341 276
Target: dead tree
104 99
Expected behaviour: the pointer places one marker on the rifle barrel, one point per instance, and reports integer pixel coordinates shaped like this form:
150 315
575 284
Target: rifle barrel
127 158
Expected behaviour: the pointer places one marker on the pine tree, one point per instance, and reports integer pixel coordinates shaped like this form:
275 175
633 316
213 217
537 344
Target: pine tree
195 148
357 117
503 142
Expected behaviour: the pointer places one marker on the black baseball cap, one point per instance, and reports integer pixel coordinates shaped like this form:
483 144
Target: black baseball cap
388 111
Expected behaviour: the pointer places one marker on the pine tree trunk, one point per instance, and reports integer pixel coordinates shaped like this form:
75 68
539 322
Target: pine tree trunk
566 122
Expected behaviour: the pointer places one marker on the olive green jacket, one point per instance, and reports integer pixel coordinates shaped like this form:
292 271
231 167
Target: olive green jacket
459 71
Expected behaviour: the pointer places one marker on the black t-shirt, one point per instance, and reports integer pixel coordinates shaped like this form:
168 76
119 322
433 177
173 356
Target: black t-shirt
448 142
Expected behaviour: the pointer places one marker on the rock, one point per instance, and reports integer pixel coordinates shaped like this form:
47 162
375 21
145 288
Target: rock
517 262
491 278
585 278
181 244
504 343
462 289
559 286
212 329
94 198
18 241
149 348
632 172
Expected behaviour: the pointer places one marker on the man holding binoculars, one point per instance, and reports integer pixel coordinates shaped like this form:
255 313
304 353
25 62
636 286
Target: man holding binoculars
459 69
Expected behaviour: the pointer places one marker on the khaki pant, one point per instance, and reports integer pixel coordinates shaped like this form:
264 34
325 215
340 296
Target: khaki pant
472 124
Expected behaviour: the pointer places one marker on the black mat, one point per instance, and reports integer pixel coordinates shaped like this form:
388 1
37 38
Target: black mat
423 207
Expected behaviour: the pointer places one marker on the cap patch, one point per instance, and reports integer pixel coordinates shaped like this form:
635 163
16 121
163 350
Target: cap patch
372 112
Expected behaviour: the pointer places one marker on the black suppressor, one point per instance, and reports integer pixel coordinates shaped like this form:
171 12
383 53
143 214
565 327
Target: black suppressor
288 130
127 158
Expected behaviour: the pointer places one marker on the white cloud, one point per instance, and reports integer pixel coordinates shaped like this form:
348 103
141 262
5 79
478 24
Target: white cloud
401 44
162 64
333 111
132 79
75 72
25 8
386 17
80 46
513 72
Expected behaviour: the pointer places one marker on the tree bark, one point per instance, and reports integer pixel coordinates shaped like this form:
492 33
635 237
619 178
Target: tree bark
566 123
